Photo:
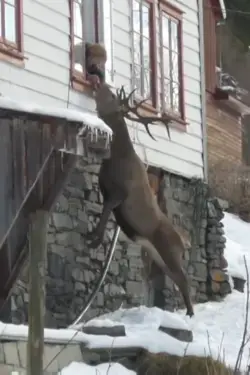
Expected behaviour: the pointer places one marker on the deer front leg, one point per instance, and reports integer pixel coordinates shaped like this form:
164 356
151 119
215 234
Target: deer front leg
109 205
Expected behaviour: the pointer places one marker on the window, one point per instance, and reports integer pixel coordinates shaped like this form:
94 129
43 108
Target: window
172 100
10 27
143 19
91 21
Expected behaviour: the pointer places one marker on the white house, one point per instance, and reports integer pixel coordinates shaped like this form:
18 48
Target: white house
155 45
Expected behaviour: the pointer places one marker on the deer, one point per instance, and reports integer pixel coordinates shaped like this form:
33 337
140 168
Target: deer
127 193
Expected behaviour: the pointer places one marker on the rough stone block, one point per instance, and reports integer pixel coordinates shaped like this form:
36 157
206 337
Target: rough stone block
133 250
63 203
100 299
113 290
82 215
78 275
215 287
63 238
79 287
135 261
218 276
114 268
62 221
239 284
114 331
134 288
180 334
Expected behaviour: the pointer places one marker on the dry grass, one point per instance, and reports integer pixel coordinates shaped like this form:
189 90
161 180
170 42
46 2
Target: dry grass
231 182
163 364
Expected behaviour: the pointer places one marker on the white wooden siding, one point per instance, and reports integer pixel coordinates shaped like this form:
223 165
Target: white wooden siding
45 78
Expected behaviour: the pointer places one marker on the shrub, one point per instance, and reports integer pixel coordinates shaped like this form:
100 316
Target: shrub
164 364
231 182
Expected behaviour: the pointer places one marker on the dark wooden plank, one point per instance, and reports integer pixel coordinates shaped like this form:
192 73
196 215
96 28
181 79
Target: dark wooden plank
33 179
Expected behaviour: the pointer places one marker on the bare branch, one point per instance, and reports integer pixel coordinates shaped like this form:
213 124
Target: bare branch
131 112
244 337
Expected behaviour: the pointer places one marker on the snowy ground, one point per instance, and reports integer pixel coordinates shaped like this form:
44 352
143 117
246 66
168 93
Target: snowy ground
104 369
217 326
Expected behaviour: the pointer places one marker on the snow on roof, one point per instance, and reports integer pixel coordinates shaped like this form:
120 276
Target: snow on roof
89 119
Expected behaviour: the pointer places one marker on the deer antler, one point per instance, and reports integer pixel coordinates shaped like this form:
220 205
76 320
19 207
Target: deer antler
126 109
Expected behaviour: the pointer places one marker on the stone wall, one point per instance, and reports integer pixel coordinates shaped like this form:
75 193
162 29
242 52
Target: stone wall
73 269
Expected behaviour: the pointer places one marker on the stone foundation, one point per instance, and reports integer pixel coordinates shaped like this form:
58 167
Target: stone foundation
73 268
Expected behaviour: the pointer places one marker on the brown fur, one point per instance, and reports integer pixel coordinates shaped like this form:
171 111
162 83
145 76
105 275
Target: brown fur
126 190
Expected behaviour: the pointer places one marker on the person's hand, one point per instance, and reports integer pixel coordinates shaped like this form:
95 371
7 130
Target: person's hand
94 81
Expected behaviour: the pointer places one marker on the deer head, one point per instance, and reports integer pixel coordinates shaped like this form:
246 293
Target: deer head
108 103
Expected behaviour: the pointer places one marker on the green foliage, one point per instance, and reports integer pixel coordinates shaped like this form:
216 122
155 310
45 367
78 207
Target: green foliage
238 18
163 364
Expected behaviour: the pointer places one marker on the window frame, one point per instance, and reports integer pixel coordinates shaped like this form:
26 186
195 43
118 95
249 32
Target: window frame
78 79
164 7
151 104
11 51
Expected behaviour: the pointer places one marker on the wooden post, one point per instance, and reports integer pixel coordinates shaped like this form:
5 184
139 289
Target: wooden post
37 270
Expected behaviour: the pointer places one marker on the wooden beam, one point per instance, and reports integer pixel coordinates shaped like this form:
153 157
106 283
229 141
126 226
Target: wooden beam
37 271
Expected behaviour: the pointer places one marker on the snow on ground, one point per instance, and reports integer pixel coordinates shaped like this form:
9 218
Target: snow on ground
238 244
138 318
225 320
104 369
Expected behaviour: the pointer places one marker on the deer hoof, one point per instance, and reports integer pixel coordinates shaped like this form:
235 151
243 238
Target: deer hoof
190 313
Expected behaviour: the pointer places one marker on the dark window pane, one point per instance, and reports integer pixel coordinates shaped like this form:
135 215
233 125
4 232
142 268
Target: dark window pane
138 78
166 59
166 94
147 84
146 53
176 97
175 67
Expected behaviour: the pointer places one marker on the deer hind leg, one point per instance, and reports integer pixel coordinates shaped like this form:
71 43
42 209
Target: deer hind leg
96 237
170 255
180 279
